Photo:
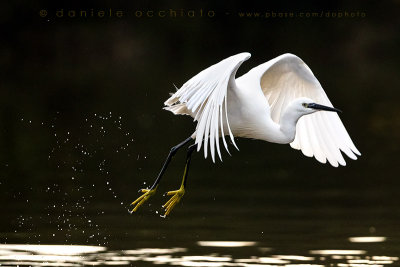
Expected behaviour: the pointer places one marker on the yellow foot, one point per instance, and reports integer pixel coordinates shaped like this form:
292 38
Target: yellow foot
176 197
140 200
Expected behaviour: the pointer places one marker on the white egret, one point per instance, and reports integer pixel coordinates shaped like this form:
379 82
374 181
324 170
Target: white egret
276 102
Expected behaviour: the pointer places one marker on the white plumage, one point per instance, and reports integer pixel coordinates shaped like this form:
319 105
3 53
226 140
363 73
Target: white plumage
273 102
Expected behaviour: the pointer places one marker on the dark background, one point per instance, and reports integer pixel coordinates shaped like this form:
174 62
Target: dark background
82 126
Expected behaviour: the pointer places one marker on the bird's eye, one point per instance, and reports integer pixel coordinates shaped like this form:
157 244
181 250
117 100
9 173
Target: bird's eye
305 105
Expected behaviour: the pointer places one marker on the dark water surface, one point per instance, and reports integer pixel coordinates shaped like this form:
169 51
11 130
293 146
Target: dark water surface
239 227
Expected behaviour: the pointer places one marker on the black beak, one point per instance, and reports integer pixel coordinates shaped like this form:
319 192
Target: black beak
321 107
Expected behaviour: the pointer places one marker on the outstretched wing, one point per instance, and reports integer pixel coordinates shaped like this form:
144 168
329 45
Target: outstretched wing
321 134
204 98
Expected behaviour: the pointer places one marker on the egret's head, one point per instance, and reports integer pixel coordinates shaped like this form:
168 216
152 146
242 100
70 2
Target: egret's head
306 106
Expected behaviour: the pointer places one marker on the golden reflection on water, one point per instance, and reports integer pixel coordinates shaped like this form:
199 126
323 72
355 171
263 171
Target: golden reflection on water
54 249
338 252
226 243
367 239
77 255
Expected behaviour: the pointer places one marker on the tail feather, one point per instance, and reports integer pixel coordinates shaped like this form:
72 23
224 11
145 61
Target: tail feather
179 109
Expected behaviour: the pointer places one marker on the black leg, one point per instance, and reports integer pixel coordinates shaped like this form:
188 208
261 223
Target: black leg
147 193
188 159
178 194
171 154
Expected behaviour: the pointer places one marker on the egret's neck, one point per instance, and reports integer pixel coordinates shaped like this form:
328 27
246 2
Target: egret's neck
288 123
